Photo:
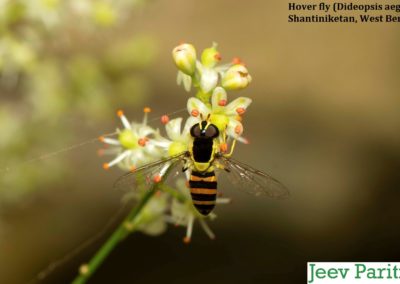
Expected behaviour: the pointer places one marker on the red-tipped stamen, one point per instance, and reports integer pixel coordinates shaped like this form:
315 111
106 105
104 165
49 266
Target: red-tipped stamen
240 110
186 240
222 102
132 169
142 142
164 119
218 56
238 129
106 166
195 113
207 229
237 60
189 229
157 178
147 110
101 138
120 113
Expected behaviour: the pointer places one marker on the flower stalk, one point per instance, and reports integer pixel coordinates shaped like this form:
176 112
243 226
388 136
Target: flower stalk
87 270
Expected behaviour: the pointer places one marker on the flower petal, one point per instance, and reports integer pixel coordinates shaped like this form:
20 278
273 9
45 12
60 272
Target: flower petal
187 82
179 78
155 227
144 131
196 107
173 128
234 129
218 98
209 79
185 79
234 107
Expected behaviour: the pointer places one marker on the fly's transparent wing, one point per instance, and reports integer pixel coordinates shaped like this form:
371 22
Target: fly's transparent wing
252 180
143 177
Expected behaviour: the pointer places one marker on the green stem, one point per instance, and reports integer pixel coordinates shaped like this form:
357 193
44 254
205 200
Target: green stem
118 235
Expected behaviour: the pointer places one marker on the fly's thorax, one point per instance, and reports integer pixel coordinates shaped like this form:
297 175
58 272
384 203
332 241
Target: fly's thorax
202 167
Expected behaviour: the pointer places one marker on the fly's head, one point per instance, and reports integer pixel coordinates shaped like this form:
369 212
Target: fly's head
204 129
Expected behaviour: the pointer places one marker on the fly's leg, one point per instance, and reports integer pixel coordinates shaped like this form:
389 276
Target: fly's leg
232 148
220 166
186 165
224 146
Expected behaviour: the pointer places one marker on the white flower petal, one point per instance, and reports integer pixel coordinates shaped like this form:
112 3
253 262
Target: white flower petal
239 103
154 228
196 107
179 78
173 128
209 79
234 129
161 142
218 98
187 82
144 131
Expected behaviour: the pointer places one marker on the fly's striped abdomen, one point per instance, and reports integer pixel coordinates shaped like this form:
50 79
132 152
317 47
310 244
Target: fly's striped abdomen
203 188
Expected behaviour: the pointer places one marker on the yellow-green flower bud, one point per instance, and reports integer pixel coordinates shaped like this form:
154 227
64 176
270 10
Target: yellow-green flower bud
185 58
210 56
127 139
236 77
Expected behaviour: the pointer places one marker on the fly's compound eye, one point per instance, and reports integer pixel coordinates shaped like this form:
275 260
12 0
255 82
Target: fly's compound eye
195 131
212 131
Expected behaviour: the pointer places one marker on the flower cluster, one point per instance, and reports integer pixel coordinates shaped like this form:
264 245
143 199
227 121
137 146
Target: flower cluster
138 144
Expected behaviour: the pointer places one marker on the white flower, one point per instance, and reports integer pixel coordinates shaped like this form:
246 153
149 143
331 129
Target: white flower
204 73
178 139
236 77
183 212
135 146
151 219
185 79
224 116
184 56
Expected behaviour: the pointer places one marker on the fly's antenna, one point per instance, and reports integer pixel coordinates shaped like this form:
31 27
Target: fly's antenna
208 117
201 116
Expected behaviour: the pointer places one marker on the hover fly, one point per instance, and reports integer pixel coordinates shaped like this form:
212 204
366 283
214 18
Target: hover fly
202 159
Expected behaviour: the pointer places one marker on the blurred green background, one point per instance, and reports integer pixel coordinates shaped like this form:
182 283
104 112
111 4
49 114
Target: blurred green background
325 121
